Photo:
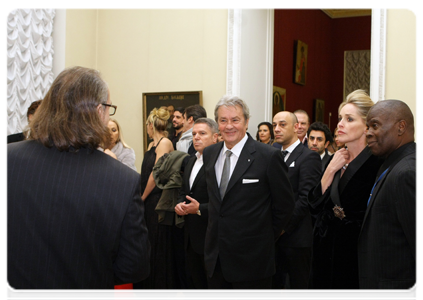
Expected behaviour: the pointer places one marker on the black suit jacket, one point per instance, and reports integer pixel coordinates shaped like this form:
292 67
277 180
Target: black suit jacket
325 160
16 137
387 241
304 171
244 225
74 220
195 226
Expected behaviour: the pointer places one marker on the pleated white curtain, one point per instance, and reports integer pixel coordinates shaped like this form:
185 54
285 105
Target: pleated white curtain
29 62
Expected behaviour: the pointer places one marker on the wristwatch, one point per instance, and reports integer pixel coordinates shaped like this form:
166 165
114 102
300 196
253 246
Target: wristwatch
199 212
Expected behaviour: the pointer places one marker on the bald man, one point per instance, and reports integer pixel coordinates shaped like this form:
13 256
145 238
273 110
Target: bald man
293 249
387 241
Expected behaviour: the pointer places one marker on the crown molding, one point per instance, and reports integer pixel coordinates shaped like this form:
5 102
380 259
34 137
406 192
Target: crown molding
347 13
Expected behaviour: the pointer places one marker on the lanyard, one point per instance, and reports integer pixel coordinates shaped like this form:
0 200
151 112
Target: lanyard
380 177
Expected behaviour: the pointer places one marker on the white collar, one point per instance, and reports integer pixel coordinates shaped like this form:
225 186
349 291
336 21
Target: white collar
293 146
236 150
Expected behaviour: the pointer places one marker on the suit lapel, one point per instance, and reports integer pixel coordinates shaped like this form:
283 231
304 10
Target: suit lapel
375 191
187 171
294 155
198 177
245 160
210 169
353 167
405 152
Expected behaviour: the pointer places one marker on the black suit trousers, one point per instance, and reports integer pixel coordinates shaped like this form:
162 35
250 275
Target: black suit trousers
196 268
217 281
295 262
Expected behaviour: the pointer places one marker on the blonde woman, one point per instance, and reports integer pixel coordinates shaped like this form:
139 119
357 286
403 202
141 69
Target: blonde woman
117 148
161 263
339 201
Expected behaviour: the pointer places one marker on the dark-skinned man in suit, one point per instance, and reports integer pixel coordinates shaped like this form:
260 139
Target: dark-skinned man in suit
193 201
250 203
293 249
387 240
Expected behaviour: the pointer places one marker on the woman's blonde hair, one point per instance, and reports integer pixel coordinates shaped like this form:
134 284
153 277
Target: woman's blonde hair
361 100
120 134
159 118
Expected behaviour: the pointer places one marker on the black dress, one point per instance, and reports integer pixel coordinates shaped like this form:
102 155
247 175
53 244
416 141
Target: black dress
335 262
162 267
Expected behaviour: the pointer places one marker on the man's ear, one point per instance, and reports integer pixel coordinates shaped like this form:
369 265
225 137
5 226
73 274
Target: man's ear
327 144
215 135
402 126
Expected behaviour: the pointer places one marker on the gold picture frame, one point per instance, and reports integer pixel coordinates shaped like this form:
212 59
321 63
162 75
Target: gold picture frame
300 65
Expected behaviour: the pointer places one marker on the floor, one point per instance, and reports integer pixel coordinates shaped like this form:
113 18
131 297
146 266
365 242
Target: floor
179 296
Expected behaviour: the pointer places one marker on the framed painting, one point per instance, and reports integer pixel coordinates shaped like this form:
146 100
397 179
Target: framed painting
319 110
300 62
157 100
279 100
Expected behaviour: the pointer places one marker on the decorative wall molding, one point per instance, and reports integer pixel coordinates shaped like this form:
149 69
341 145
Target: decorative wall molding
347 13
356 71
268 104
378 55
234 52
29 62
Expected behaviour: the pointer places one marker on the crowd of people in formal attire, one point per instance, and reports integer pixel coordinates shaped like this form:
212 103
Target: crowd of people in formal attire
298 207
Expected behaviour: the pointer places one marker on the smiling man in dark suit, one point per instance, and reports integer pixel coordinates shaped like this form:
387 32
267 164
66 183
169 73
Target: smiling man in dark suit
387 241
293 249
193 201
75 219
250 203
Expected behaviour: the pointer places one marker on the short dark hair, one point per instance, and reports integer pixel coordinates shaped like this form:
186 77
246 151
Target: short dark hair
68 118
270 126
180 109
319 126
33 107
195 111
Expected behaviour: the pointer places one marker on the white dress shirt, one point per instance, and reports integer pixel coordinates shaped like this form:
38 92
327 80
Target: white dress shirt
195 169
236 152
290 149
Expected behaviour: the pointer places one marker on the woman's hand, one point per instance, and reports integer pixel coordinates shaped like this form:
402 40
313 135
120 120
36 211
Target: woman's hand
340 159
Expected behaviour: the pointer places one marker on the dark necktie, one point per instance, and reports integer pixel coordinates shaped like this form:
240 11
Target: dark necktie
225 174
284 153
380 177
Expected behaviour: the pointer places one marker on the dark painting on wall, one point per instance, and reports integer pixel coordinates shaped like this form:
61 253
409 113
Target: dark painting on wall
279 100
300 62
157 100
319 110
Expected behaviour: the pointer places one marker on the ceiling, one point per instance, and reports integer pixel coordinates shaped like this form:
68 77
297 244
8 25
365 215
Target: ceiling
347 13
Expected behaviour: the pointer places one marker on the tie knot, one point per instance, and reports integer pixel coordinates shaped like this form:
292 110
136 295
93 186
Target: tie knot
228 153
285 152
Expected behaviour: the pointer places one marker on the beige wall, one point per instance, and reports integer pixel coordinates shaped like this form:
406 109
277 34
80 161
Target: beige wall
81 38
401 57
141 51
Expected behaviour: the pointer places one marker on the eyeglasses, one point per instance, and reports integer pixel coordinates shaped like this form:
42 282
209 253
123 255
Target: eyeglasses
112 109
